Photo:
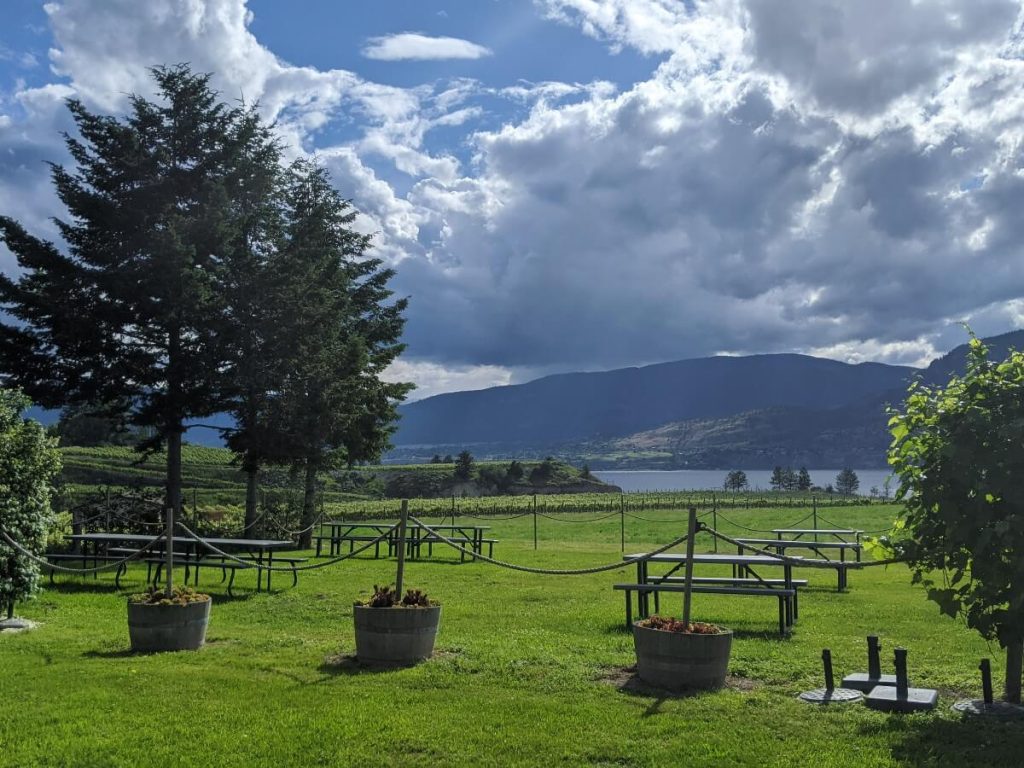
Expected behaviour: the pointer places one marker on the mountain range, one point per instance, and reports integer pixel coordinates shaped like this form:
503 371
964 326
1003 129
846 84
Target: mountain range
753 412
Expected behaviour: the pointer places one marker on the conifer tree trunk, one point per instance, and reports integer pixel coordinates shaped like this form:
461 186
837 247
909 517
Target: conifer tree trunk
308 507
174 469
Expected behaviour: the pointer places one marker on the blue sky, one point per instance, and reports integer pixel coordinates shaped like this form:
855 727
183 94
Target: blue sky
584 184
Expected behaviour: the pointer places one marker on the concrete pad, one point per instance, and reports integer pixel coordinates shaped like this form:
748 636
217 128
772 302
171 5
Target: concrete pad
861 682
884 699
16 625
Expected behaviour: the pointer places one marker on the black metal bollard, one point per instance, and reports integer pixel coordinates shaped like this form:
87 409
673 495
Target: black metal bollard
874 661
902 684
986 680
826 660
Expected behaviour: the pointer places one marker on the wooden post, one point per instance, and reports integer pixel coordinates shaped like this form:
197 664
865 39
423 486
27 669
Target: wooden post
692 534
169 551
814 511
714 520
622 521
401 547
535 521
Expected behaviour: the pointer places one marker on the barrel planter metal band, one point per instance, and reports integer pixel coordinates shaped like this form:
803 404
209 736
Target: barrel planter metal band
682 661
395 635
168 627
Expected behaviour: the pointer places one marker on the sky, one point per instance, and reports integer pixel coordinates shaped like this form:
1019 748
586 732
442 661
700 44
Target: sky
569 185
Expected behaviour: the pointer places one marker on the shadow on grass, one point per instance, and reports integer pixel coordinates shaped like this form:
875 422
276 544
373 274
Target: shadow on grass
771 635
123 653
626 680
347 664
929 742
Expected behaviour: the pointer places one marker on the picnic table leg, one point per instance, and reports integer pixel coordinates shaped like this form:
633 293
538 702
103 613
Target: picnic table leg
629 608
782 616
787 571
270 564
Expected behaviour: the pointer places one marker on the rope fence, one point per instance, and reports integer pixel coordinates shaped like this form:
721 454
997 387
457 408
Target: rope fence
64 569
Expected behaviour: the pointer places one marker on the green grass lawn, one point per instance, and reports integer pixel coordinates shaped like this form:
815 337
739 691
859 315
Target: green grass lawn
529 670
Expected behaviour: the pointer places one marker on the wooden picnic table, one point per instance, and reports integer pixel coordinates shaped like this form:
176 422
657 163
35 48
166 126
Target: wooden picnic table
781 545
472 534
352 531
738 561
257 548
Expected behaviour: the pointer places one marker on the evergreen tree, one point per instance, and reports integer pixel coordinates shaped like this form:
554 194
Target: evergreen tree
803 480
253 331
847 482
129 315
464 466
332 407
778 479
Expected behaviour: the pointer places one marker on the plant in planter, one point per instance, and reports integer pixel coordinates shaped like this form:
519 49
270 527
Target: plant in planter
395 630
158 621
681 655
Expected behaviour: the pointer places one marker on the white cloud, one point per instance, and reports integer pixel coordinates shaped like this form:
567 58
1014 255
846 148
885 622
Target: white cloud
415 46
843 183
433 379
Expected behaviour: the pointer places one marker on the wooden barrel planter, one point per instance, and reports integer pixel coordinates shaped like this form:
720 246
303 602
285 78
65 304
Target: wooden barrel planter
397 635
681 660
168 627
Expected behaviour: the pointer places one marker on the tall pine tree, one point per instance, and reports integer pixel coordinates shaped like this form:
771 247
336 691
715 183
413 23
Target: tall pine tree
333 408
129 315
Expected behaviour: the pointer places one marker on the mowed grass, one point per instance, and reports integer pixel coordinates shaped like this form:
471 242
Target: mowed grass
530 670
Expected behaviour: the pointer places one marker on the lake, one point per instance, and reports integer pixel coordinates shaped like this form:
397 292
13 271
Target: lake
712 479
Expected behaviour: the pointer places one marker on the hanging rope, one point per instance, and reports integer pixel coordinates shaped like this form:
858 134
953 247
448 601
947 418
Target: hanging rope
489 517
547 571
253 524
300 531
64 569
764 530
279 569
568 520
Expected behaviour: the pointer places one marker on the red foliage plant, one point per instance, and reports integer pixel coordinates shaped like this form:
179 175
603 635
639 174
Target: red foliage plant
669 624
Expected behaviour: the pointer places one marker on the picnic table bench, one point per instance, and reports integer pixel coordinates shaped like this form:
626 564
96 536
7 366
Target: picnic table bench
747 584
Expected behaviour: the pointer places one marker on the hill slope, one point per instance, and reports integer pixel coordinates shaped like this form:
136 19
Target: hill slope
584 406
753 412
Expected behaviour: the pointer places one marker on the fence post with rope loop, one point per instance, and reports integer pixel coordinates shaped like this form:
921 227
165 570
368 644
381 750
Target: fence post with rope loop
402 521
535 521
169 535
